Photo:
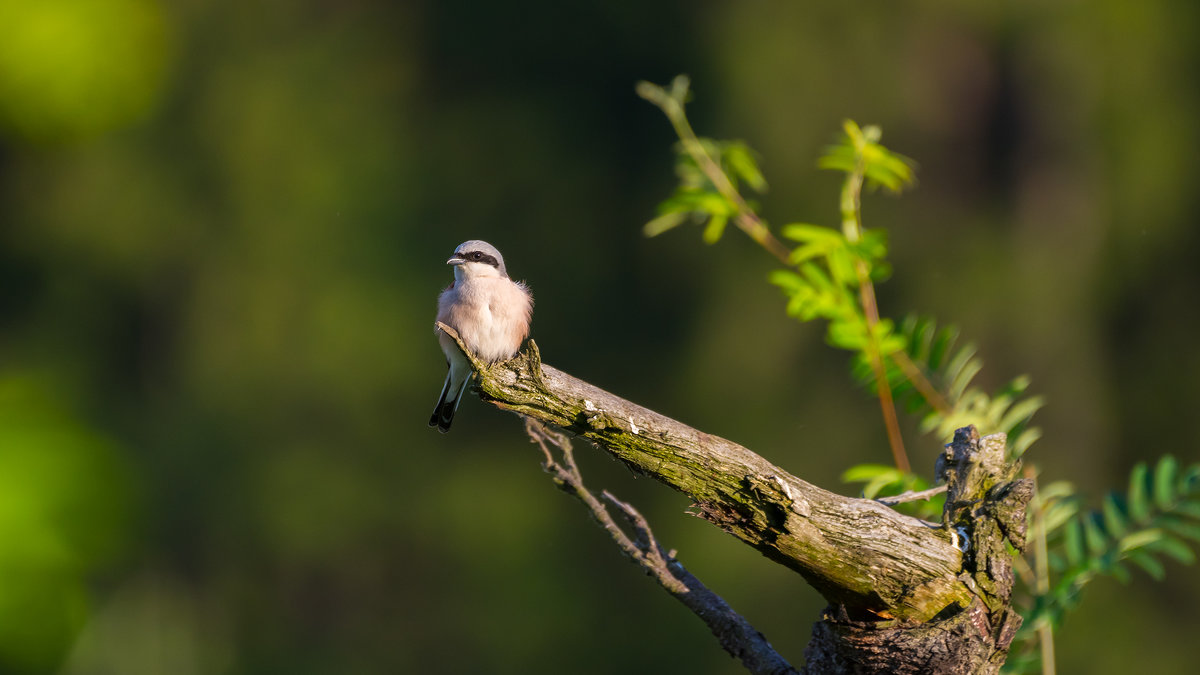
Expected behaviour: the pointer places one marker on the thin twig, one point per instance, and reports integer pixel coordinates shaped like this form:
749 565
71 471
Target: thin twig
735 634
911 496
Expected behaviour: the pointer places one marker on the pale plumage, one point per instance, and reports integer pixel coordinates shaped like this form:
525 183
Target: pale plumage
488 310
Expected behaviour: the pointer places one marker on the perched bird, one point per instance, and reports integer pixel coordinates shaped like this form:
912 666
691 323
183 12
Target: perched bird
490 312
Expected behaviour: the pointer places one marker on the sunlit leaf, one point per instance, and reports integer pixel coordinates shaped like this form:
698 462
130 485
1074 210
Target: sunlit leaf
865 472
1139 539
1164 482
715 228
743 162
663 223
1139 504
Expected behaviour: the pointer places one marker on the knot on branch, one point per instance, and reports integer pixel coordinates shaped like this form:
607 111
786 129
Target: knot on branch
985 506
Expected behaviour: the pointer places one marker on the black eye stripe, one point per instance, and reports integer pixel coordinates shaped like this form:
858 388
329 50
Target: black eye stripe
480 257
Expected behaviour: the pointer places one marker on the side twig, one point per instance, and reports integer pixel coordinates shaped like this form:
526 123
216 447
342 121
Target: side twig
911 496
735 634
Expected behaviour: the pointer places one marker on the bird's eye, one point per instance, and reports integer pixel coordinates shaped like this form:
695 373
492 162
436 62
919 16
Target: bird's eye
476 255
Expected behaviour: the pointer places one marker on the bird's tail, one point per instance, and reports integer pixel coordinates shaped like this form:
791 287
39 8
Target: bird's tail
443 413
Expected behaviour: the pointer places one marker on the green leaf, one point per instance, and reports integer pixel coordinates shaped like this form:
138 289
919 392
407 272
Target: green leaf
787 280
1027 438
864 472
875 486
663 223
1139 504
1073 542
1139 539
1059 513
1189 480
858 150
841 267
1114 516
1020 412
1097 543
807 232
1058 489
964 376
1164 482
847 335
715 228
1188 508
743 162
1175 548
1149 563
1182 527
877 477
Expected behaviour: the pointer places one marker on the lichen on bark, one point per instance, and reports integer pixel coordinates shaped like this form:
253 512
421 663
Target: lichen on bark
941 592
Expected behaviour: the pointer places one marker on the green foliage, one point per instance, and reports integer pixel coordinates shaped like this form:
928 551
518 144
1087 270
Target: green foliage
828 276
1157 517
71 69
858 150
830 272
697 199
951 368
64 510
831 266
883 480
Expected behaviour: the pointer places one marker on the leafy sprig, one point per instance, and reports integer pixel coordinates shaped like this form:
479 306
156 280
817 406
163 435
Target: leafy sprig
829 275
1157 517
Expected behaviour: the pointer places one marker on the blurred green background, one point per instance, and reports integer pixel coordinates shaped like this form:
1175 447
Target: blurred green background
223 227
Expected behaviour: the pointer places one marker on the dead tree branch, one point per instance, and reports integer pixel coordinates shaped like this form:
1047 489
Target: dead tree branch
856 552
735 634
905 596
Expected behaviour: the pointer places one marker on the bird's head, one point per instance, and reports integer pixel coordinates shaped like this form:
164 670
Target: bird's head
477 259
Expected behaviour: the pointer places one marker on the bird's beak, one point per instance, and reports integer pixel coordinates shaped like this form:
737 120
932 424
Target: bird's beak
455 260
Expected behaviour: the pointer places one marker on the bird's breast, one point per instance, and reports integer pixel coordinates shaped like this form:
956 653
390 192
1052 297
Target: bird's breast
492 316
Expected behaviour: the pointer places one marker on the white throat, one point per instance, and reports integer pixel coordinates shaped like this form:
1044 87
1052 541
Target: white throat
472 270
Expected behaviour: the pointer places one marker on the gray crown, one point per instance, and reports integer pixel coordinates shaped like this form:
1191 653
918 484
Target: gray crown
468 247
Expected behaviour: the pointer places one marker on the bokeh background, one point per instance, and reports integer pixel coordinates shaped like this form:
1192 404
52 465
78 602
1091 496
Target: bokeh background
223 227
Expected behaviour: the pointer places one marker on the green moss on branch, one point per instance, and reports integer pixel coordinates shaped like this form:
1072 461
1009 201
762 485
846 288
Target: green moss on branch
856 552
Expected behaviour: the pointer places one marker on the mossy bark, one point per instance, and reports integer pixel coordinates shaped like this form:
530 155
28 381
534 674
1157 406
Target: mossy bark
985 508
877 567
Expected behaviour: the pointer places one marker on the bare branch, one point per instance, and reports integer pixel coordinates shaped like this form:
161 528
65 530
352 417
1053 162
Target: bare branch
735 634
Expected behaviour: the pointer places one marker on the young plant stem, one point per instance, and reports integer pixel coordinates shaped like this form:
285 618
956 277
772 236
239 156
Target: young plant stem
746 219
1041 562
671 103
922 384
852 229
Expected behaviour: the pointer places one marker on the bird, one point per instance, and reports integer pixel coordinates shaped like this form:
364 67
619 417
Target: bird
490 312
